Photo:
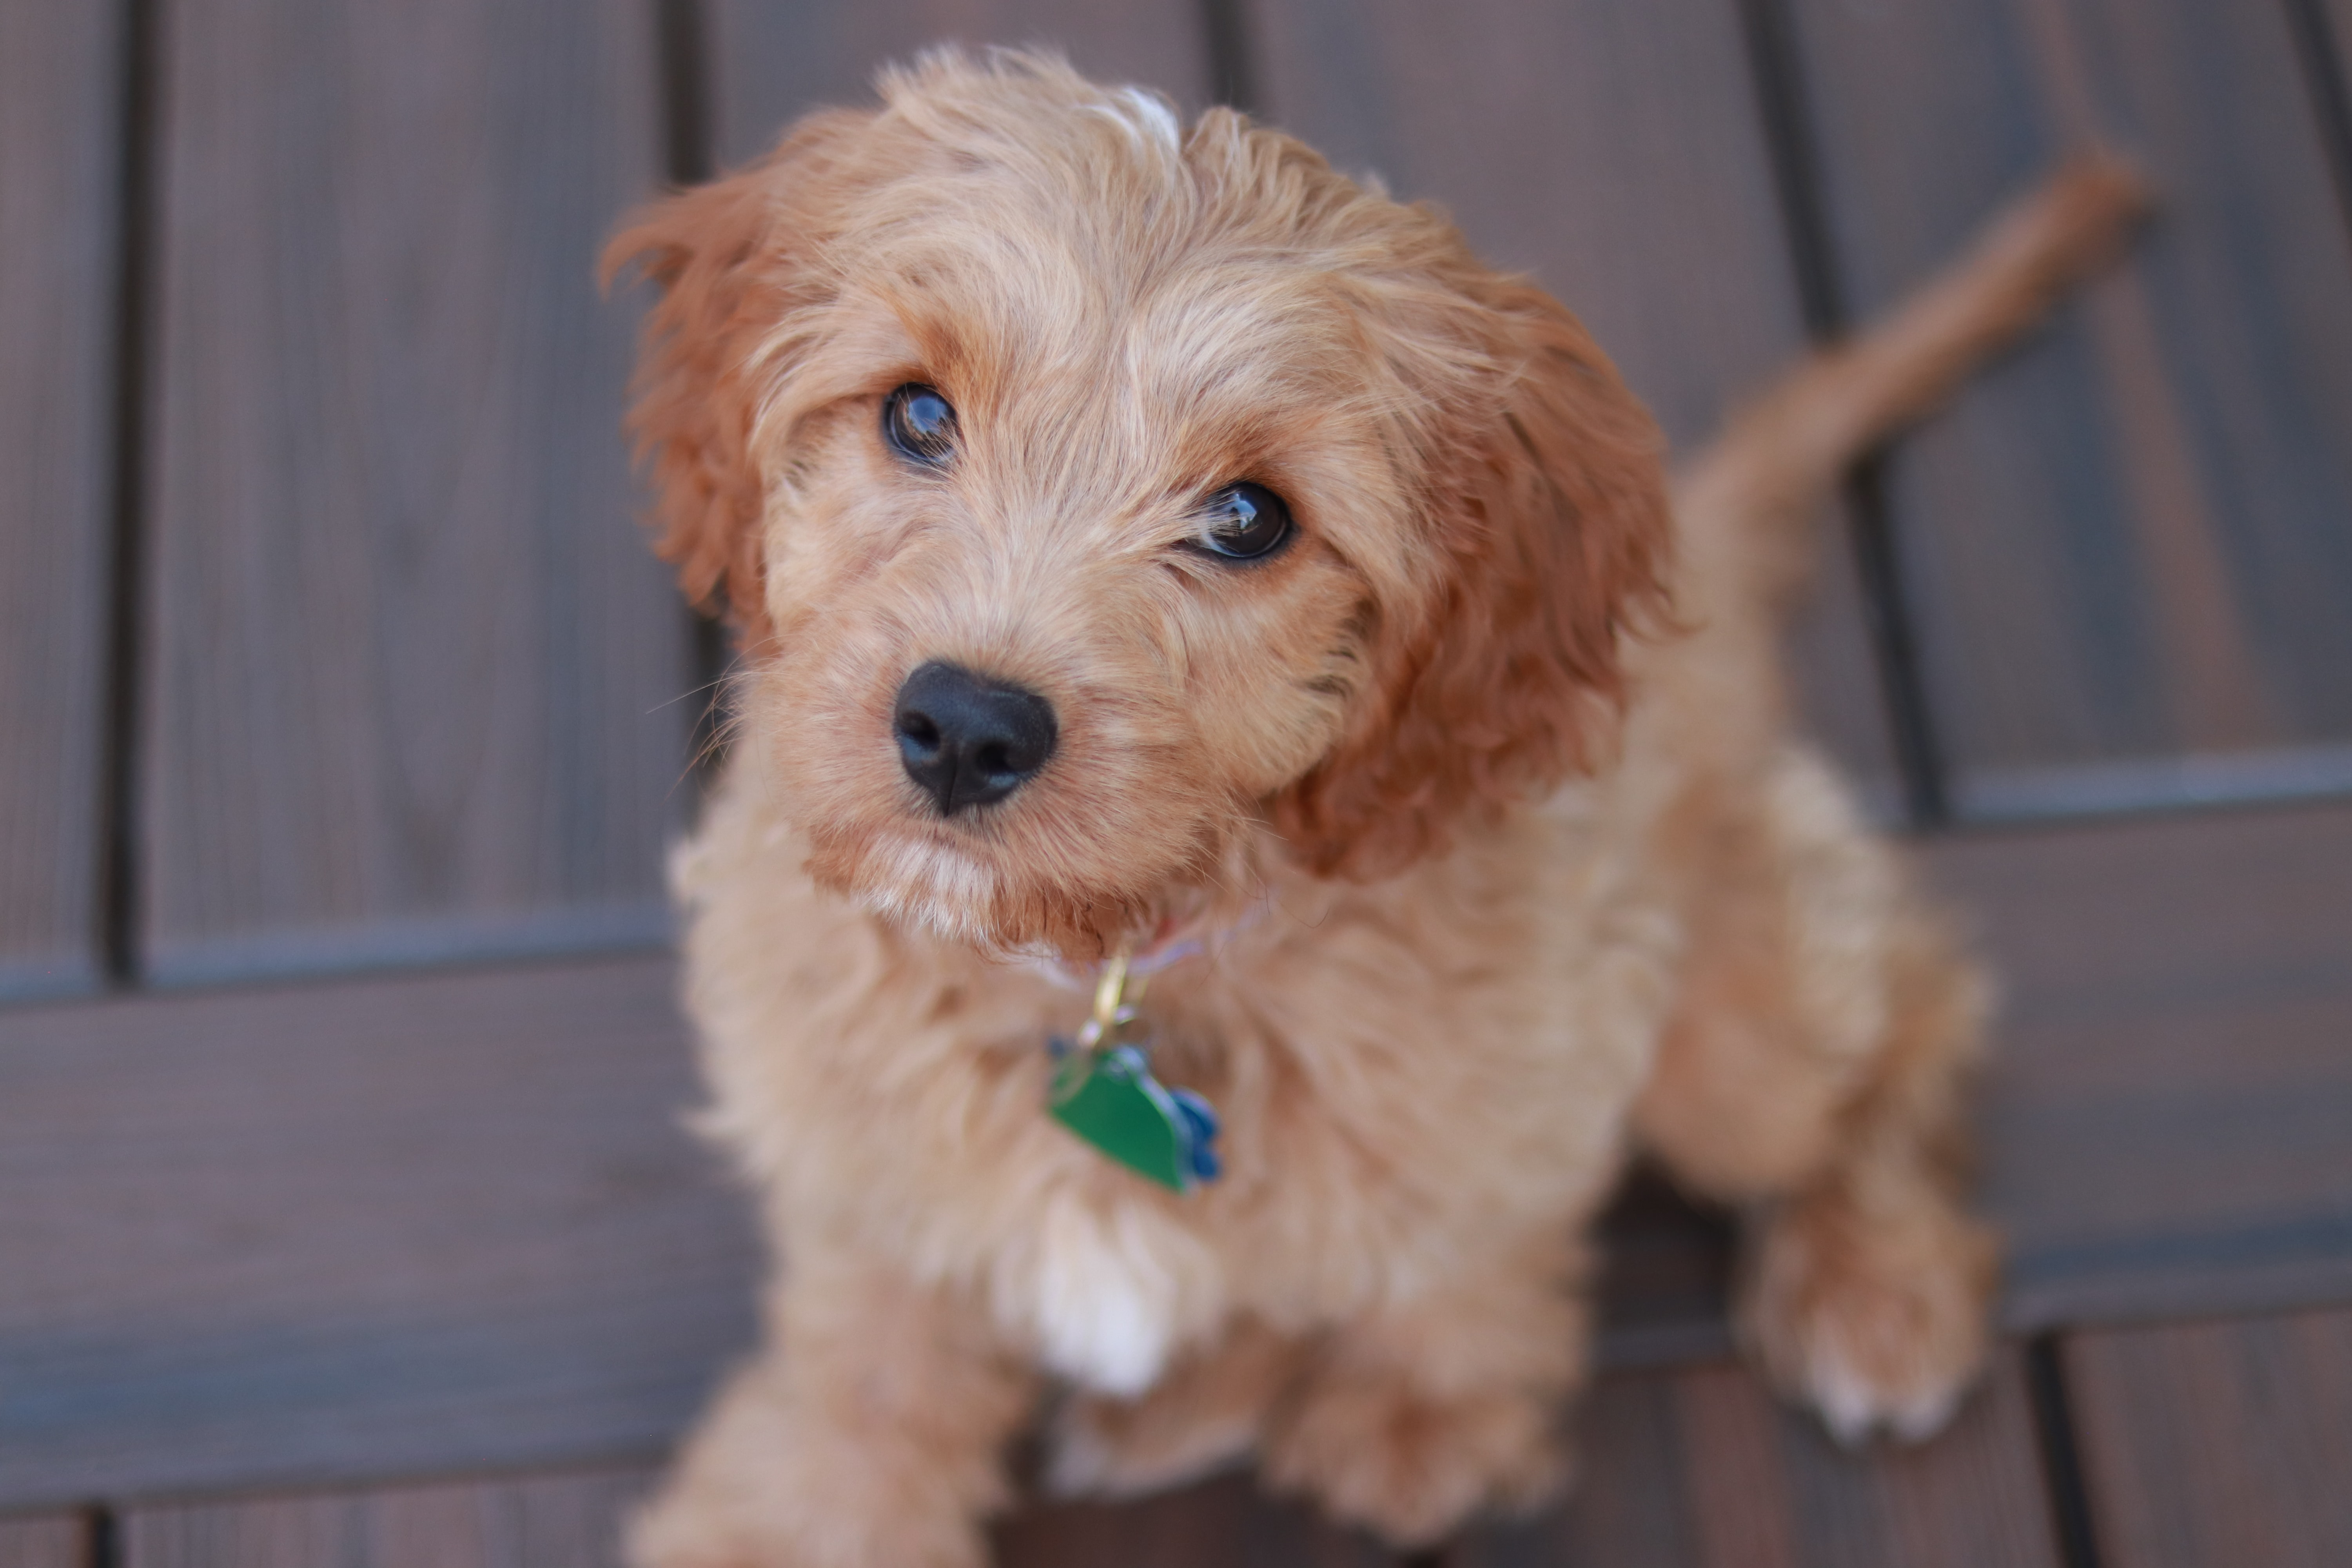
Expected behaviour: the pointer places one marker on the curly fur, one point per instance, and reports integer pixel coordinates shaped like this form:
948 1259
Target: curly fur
1478 794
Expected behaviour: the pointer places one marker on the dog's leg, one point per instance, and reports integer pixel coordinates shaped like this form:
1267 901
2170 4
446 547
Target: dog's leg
1415 1416
868 1434
1813 1074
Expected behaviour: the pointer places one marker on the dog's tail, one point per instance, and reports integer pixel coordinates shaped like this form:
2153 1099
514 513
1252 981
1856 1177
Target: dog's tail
1743 506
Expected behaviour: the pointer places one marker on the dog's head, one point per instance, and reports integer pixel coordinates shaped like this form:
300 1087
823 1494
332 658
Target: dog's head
1089 492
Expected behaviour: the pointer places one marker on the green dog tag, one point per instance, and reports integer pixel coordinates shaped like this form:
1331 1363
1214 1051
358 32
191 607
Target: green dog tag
1105 1093
1110 1099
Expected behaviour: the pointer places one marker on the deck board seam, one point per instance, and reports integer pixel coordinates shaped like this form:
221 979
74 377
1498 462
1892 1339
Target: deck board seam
2059 1454
1233 74
137 190
1792 149
2317 48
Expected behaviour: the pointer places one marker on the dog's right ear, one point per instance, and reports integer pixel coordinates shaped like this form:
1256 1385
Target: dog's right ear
735 260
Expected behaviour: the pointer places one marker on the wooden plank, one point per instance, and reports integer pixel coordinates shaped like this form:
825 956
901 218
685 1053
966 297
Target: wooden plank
2165 1117
1700 1468
772 62
60 157
563 1521
412 669
574 1520
2214 1442
45 1541
1225 1520
340 1230
328 1232
2127 544
1549 133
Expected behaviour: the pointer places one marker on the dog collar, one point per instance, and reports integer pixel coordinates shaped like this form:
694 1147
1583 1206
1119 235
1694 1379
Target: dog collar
1104 1092
1169 945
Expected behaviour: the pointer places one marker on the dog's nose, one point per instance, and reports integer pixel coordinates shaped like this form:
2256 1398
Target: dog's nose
968 741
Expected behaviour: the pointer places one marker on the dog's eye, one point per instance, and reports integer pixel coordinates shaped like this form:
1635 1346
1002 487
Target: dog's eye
919 425
1243 523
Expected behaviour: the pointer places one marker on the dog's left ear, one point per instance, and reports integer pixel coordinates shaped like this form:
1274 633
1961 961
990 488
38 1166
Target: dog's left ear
1548 509
735 260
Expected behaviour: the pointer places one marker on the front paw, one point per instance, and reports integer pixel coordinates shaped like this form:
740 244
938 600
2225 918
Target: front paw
763 1485
1875 1318
1377 1451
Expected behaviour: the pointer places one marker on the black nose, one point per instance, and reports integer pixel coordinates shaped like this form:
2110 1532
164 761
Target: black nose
968 741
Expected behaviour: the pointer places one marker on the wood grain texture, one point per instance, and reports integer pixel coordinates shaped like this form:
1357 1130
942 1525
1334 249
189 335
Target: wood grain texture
1225 1520
2218 1443
1698 1468
2128 543
412 671
1614 151
60 156
45 1541
560 1520
772 62
322 1232
2165 1116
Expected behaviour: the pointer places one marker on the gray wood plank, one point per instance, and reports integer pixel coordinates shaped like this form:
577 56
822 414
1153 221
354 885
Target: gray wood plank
2128 544
574 1520
772 62
1613 151
60 158
342 1230
1698 1468
2218 1443
45 1541
320 1232
559 1521
412 669
2164 1118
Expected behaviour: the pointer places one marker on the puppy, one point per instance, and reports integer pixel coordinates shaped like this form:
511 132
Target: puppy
1153 552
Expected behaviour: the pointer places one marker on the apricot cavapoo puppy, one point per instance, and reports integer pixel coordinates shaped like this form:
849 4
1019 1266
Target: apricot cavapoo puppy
1251 797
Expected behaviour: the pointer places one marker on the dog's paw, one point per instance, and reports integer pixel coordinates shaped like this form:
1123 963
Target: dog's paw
1874 1319
678 1531
664 1535
1377 1451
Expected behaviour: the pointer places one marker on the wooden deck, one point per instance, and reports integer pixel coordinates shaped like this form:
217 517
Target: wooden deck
344 1217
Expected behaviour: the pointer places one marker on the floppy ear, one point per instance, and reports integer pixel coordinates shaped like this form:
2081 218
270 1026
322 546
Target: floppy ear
1548 512
734 261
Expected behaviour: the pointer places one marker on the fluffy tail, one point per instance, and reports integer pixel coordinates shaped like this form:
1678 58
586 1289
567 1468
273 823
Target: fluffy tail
1745 504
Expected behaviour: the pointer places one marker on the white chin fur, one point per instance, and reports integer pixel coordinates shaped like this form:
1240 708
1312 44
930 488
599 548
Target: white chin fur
932 889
